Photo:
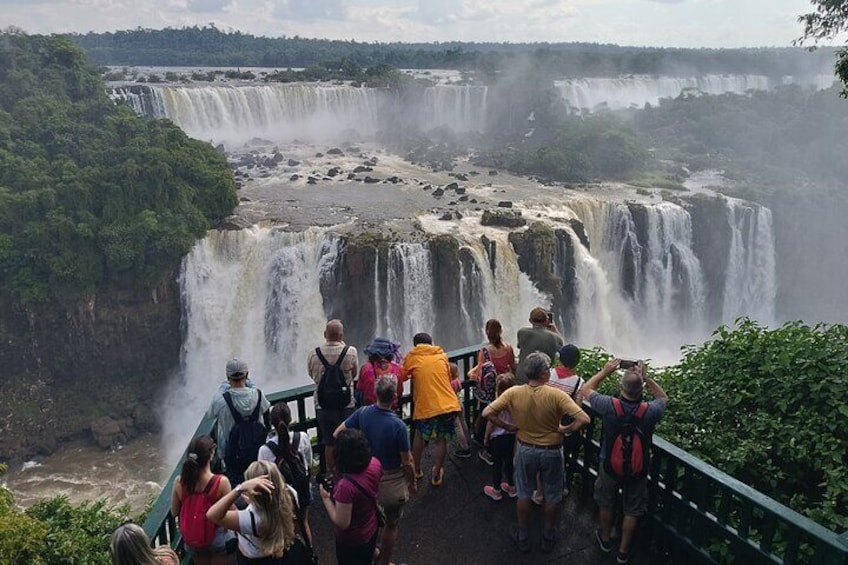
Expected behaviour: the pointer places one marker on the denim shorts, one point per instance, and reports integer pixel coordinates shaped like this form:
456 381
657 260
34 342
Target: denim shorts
547 463
220 544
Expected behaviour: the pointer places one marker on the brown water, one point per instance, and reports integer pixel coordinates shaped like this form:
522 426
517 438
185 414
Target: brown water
81 471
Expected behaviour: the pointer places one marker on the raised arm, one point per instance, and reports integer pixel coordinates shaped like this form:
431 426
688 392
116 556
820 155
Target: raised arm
591 387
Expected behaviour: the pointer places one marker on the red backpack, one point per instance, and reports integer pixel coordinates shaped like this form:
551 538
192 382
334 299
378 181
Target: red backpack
198 532
628 447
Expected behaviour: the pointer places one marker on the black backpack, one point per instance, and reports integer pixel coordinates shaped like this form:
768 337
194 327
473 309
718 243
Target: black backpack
333 389
293 470
246 437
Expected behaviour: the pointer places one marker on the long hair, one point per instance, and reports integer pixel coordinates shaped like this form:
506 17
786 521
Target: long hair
504 382
199 455
494 330
281 419
129 545
353 454
276 510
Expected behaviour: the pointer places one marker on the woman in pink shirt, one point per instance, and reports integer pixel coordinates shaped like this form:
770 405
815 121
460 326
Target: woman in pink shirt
383 358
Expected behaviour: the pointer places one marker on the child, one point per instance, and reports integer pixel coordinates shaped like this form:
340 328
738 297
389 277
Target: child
501 445
464 450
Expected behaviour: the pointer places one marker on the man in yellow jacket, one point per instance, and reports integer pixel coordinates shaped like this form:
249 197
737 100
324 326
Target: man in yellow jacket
436 404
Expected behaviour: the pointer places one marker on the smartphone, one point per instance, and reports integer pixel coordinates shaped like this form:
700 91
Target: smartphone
550 317
628 363
325 481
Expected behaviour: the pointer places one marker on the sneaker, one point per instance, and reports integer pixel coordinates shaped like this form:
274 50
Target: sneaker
623 557
523 544
537 498
463 453
511 491
548 542
492 492
606 546
486 457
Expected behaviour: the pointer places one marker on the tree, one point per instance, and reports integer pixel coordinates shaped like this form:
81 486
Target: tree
829 20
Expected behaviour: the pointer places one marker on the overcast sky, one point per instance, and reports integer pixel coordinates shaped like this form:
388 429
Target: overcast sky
683 23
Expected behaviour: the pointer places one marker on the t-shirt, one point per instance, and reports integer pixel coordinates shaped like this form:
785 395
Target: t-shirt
304 449
244 401
363 515
385 432
250 544
602 404
331 351
534 339
368 377
564 379
499 431
537 412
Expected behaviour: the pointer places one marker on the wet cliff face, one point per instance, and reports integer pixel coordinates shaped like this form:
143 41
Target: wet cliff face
66 368
711 239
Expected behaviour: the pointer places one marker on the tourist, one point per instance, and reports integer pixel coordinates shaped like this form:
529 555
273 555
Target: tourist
129 545
501 445
464 438
389 441
537 411
435 402
282 449
495 358
565 379
352 508
266 529
541 336
336 356
383 355
634 487
245 410
195 490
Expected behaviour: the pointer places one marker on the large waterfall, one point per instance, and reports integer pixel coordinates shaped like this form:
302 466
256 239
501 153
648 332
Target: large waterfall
636 91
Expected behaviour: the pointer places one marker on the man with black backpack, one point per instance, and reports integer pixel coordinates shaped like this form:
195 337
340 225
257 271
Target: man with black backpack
333 367
242 413
629 423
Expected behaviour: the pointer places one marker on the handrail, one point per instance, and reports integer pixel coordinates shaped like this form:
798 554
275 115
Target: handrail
698 514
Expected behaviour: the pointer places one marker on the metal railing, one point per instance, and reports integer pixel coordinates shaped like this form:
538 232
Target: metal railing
697 514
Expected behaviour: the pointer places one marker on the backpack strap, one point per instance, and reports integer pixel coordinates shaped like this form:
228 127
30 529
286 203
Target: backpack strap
360 487
228 398
296 442
616 405
486 354
640 411
326 363
212 484
577 386
274 447
322 358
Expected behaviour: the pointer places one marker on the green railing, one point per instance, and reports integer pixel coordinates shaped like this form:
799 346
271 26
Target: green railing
161 525
698 514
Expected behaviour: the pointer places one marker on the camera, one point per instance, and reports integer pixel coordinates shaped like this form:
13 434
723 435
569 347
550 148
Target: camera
628 364
550 317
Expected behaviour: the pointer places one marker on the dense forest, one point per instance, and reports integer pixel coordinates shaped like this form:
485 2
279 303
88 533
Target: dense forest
209 46
90 194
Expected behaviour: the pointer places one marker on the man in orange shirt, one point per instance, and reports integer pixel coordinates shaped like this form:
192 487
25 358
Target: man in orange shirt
435 403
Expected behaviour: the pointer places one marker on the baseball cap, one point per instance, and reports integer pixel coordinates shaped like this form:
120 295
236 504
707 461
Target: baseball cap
236 369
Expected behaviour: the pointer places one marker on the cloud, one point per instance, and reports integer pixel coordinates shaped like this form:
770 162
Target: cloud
310 10
207 6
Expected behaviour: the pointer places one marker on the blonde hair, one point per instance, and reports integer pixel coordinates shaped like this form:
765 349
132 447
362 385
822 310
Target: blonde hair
276 510
504 382
129 545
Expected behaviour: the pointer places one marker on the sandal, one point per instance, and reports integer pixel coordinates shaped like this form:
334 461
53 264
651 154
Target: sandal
437 481
419 474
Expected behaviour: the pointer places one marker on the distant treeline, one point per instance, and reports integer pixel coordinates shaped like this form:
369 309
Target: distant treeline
209 46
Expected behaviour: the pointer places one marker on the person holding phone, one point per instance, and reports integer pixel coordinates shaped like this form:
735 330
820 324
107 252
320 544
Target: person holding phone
542 336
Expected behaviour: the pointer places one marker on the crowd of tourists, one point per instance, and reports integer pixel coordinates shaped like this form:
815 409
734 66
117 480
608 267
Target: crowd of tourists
244 496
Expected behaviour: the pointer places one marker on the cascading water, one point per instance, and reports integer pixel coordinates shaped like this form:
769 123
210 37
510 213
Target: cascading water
408 294
460 108
750 288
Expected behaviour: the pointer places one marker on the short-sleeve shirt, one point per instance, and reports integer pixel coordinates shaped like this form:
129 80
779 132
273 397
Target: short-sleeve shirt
244 401
531 340
304 449
249 543
363 515
385 432
602 404
537 412
331 351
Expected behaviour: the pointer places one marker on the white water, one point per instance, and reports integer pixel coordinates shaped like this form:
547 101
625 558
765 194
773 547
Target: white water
460 108
408 304
636 91
750 287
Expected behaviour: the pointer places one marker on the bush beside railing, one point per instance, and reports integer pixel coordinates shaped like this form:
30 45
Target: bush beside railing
697 514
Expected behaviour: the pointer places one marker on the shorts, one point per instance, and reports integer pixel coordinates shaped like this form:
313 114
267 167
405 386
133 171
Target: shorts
442 426
328 421
221 544
634 493
393 495
534 461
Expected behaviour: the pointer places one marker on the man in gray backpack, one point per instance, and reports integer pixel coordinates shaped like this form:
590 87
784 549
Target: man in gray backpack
333 404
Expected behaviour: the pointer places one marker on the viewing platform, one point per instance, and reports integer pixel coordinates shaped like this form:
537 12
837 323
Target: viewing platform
697 514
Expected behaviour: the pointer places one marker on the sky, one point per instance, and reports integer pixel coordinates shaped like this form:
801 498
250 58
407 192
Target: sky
666 23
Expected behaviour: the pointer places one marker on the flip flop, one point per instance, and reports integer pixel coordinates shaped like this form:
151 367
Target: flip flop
437 481
419 474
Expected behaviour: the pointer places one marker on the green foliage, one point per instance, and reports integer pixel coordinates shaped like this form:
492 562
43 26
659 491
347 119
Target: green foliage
829 19
768 407
90 194
54 532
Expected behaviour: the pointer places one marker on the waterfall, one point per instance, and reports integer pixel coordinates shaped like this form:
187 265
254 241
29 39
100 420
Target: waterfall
460 108
409 292
750 287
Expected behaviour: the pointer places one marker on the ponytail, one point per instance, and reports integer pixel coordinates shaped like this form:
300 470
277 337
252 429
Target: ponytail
199 455
494 330
281 419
